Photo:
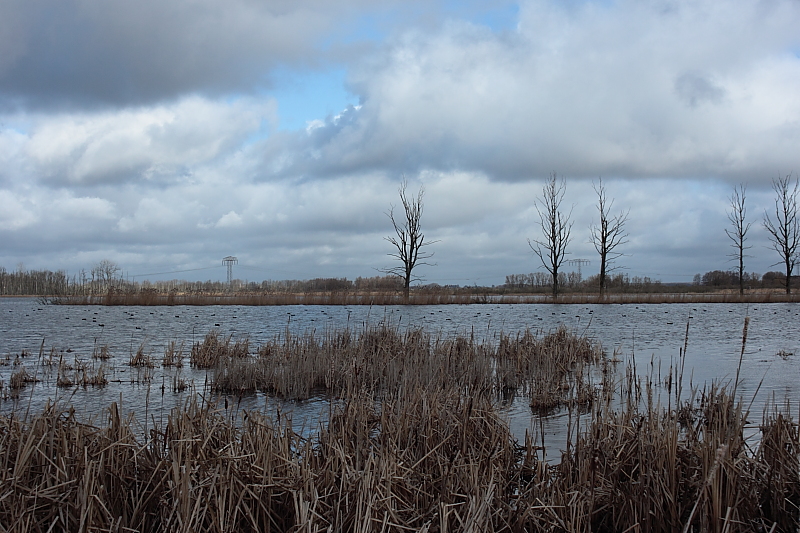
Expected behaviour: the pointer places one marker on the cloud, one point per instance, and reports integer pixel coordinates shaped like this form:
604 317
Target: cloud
155 144
143 132
14 214
229 220
113 52
694 88
627 89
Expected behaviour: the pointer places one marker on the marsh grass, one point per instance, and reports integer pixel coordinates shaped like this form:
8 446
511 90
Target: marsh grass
146 298
553 370
414 441
440 296
419 460
173 355
102 352
142 358
216 348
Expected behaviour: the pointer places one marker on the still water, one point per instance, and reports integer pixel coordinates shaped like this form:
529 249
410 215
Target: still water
652 335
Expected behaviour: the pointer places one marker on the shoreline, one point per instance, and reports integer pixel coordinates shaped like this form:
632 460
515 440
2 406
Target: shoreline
382 299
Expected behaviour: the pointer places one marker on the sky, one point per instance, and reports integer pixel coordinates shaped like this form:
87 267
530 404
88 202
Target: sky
165 135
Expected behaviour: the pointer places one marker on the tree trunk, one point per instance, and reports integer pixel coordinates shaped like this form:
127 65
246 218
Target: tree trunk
555 283
602 273
788 278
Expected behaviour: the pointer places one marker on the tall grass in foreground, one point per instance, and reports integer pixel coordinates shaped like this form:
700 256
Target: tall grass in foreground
426 461
414 443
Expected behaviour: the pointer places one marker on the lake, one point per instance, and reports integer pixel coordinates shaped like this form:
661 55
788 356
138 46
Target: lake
651 335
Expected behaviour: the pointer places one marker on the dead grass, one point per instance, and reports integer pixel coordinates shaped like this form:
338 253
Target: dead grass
421 460
173 355
423 297
102 353
554 369
415 442
215 349
142 358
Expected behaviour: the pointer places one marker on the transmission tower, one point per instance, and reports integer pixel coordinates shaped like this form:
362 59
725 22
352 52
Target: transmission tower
229 262
578 263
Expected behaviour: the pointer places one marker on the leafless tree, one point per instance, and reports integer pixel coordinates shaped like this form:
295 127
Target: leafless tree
106 271
556 228
409 239
784 231
608 234
738 230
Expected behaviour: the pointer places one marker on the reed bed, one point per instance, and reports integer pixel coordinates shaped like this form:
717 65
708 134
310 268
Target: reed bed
420 460
551 369
414 440
215 349
441 297
316 298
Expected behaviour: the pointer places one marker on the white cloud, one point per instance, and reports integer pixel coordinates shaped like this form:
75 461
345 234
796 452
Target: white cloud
84 208
229 220
14 214
623 89
155 143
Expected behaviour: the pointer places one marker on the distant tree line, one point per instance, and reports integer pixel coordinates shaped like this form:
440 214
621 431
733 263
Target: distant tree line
105 277
34 282
410 249
622 282
749 280
571 281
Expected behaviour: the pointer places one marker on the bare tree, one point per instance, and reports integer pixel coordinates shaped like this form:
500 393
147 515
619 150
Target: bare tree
105 271
738 231
409 240
784 231
556 228
609 234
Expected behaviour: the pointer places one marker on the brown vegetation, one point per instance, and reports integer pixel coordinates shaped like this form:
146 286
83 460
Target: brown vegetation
413 440
553 370
422 460
435 296
173 355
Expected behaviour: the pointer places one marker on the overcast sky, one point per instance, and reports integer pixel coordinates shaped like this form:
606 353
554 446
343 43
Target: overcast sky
166 134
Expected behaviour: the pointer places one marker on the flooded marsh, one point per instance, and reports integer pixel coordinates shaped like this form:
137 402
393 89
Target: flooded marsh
432 418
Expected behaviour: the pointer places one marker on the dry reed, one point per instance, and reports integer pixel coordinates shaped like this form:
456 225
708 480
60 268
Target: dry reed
173 355
141 358
440 297
553 369
422 460
415 443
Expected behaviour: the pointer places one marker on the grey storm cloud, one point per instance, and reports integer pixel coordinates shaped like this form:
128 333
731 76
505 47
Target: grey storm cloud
694 88
79 53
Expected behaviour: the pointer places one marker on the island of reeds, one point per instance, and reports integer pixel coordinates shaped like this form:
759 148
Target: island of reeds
415 439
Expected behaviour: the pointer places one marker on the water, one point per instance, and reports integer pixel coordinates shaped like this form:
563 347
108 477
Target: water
652 335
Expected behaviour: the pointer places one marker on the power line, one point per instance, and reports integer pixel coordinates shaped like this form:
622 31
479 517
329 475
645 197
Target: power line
174 271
